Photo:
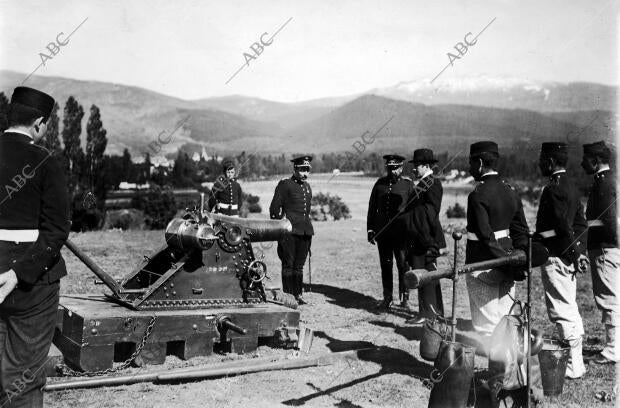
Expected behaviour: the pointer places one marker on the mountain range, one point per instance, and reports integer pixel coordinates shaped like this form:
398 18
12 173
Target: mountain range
445 115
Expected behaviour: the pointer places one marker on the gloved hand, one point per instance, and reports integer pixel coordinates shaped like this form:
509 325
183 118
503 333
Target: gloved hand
582 265
371 237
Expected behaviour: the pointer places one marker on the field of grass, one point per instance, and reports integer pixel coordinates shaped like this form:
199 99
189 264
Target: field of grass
345 285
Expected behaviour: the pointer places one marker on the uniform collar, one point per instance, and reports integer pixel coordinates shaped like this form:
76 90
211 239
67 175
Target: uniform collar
489 174
602 173
297 179
19 135
556 174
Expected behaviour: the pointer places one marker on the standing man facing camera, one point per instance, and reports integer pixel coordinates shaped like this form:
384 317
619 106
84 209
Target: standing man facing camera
561 226
34 225
292 199
426 232
226 198
386 226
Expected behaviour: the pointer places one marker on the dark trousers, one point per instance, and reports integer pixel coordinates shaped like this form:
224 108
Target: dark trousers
25 338
388 251
293 250
428 295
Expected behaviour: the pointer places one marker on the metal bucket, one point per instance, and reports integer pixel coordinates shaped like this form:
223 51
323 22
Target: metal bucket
553 359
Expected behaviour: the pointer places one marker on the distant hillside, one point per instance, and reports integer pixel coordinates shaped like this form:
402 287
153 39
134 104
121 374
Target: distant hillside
505 92
134 117
443 127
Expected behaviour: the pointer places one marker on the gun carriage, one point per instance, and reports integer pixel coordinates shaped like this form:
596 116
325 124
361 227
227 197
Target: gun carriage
203 290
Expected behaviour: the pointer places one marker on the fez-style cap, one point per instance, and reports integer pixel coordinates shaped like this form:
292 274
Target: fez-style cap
597 149
554 149
393 160
423 156
228 164
33 98
302 160
483 147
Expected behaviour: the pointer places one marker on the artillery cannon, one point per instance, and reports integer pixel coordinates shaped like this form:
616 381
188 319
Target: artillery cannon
203 289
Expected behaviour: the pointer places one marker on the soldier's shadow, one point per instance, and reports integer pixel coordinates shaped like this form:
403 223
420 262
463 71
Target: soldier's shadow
390 360
350 299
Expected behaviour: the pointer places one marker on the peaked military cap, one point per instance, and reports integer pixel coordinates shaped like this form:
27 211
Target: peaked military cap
597 149
34 99
302 160
554 149
393 160
483 147
423 156
228 164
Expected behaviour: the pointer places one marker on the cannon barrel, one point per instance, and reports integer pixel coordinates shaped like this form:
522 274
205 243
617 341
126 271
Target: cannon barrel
421 277
259 230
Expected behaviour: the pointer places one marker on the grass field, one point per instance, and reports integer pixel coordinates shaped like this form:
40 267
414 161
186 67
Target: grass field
346 284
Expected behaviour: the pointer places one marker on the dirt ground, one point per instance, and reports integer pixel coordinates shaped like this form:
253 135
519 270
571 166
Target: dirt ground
345 286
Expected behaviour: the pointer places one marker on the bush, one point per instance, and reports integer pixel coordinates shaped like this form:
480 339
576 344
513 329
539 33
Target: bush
326 206
124 219
457 211
254 207
158 204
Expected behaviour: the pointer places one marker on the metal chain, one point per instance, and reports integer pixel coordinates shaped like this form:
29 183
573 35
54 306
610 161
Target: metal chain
65 370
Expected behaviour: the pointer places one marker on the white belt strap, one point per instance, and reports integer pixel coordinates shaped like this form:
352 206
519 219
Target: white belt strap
30 235
547 234
595 223
498 234
227 206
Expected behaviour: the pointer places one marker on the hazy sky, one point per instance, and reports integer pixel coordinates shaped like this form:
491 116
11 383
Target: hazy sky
191 48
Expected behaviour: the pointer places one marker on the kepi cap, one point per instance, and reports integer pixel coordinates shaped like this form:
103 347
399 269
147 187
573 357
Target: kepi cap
34 99
597 149
303 160
393 160
554 149
483 147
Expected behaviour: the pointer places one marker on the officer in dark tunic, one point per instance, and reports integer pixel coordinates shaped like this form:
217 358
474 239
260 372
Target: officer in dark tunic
561 227
34 225
426 231
603 249
226 198
495 225
386 225
292 199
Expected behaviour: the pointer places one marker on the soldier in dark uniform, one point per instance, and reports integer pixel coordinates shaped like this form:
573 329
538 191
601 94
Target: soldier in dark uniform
495 225
426 232
292 199
561 226
603 249
386 225
226 196
34 225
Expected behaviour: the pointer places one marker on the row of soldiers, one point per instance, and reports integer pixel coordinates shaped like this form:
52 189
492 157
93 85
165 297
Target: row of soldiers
403 220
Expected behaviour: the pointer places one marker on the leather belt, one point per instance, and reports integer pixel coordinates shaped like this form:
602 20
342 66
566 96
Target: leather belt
227 206
595 223
498 234
27 235
547 234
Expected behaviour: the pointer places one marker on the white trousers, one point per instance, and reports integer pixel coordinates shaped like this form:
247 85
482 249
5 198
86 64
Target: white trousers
561 298
489 299
605 266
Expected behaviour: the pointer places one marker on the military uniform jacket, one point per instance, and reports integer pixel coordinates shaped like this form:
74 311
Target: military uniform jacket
601 212
387 206
292 199
33 196
494 206
560 222
423 214
227 193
